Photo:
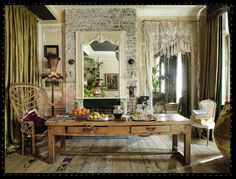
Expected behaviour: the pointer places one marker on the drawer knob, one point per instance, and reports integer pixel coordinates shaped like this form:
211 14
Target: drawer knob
87 129
150 129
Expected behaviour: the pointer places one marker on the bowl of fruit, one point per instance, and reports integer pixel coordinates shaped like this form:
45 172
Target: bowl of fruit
95 116
81 113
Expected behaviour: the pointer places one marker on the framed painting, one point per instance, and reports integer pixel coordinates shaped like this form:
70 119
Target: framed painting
51 49
112 81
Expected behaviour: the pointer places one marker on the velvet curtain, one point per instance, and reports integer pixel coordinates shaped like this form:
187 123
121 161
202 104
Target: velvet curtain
219 72
211 66
186 87
21 62
170 81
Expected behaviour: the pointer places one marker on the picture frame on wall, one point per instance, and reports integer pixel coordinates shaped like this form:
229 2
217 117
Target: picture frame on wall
112 81
51 49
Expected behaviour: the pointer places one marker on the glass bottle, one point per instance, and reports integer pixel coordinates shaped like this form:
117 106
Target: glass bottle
139 112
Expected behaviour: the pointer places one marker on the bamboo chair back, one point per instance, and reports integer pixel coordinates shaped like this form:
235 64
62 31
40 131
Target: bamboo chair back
26 97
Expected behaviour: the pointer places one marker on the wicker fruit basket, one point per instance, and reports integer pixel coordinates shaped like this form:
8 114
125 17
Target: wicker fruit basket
82 113
82 116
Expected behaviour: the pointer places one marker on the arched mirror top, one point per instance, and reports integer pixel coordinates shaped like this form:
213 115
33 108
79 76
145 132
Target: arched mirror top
101 37
101 50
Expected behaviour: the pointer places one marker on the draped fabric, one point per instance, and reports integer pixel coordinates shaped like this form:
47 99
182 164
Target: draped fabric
166 38
211 67
21 62
216 10
219 72
170 81
186 87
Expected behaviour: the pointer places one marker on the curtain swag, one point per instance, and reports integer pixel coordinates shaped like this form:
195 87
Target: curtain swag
213 11
171 37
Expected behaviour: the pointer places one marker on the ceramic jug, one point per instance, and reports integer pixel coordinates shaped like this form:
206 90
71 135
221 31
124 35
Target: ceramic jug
118 111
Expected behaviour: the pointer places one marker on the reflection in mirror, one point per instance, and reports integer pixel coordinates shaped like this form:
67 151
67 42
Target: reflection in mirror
101 69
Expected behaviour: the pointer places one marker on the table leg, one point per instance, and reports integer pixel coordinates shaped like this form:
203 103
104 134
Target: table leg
175 142
187 145
62 143
51 146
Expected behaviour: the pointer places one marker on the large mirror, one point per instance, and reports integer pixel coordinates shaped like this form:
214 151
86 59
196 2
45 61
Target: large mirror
100 67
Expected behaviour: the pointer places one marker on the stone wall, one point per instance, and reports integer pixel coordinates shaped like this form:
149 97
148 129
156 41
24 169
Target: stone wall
98 19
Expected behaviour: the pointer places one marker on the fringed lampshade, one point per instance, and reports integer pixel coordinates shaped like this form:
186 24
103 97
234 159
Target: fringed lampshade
53 60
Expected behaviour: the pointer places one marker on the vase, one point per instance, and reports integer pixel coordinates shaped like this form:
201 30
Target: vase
222 131
97 90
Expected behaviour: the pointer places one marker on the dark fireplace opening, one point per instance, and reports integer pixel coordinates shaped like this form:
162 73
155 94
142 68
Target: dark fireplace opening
101 105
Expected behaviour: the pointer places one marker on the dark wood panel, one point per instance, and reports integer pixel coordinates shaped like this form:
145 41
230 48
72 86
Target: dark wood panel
41 11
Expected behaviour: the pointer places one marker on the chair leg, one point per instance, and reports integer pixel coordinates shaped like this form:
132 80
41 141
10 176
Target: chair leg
33 145
22 143
199 133
212 135
208 132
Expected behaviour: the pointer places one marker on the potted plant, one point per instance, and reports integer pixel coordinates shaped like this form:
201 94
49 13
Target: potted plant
94 86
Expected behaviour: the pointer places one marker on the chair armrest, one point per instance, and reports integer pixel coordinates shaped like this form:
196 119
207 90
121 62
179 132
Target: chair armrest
28 127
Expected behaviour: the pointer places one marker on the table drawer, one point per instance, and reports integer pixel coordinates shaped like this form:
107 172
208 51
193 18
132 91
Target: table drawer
99 130
148 130
87 130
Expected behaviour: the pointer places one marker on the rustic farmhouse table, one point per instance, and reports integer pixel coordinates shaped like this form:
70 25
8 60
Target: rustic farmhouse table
167 124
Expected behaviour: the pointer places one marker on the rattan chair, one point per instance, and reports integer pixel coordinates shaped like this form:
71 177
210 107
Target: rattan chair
159 103
26 97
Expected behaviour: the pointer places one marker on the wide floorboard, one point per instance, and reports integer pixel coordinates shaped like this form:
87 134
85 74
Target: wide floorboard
205 159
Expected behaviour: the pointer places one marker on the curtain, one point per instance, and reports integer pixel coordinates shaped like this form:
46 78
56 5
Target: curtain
186 87
211 67
150 47
21 62
219 72
164 38
216 10
170 81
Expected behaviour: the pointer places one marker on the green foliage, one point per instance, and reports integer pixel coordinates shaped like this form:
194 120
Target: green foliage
157 78
93 70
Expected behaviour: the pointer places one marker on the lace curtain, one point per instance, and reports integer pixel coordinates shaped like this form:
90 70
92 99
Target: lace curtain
164 38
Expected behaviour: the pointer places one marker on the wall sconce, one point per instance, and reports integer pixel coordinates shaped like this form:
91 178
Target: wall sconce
131 61
71 61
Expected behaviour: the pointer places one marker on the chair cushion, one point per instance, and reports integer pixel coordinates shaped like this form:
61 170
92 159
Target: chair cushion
40 127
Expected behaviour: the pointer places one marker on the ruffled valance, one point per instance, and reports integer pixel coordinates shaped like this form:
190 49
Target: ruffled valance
168 37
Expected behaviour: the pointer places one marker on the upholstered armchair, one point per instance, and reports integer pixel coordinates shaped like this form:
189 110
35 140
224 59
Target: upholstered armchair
206 118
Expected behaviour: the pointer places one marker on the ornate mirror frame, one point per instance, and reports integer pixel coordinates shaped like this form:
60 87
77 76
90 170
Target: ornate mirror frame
84 38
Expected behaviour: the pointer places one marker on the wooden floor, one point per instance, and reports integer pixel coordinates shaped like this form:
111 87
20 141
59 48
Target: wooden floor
205 159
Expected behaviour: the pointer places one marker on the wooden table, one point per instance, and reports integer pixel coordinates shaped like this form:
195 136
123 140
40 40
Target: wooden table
168 124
